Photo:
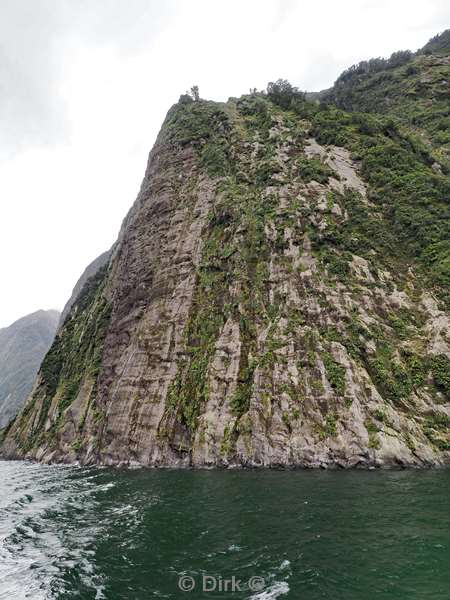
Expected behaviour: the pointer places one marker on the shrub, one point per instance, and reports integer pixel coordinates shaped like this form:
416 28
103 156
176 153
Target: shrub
440 367
311 169
335 373
285 95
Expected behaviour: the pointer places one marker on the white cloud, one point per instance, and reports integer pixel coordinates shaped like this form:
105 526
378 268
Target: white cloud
87 84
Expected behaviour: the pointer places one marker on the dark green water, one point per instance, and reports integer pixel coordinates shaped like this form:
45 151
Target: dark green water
95 533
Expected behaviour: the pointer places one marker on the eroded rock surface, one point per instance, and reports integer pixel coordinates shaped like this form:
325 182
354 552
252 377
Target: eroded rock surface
240 321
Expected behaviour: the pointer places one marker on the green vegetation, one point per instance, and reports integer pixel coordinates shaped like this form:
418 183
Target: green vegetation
77 350
328 427
440 368
206 126
222 262
335 373
410 218
285 95
404 149
437 430
280 260
401 323
409 87
372 431
439 44
310 169
390 376
380 415
189 391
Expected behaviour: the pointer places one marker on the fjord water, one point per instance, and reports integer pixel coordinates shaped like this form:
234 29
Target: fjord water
68 532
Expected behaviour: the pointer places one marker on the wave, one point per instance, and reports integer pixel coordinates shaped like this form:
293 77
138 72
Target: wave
41 508
276 589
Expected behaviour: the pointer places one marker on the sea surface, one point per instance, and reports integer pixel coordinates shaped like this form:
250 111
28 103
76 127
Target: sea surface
69 532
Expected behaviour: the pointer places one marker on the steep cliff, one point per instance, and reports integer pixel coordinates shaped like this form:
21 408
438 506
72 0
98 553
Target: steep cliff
23 345
277 296
89 272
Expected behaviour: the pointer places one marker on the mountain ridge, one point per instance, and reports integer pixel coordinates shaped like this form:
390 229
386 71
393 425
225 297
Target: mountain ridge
23 345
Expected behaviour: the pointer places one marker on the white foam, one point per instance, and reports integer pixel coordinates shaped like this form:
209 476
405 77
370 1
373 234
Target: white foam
279 588
285 565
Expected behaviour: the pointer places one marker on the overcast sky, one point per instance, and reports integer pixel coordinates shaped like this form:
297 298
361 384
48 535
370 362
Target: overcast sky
86 84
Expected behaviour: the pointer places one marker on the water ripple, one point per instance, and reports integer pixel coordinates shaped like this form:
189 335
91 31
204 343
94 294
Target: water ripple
94 534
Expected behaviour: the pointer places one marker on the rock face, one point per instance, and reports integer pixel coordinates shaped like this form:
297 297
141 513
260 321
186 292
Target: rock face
23 345
270 301
90 270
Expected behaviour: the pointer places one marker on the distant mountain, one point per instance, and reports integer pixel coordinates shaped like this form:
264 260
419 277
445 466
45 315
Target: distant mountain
23 345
